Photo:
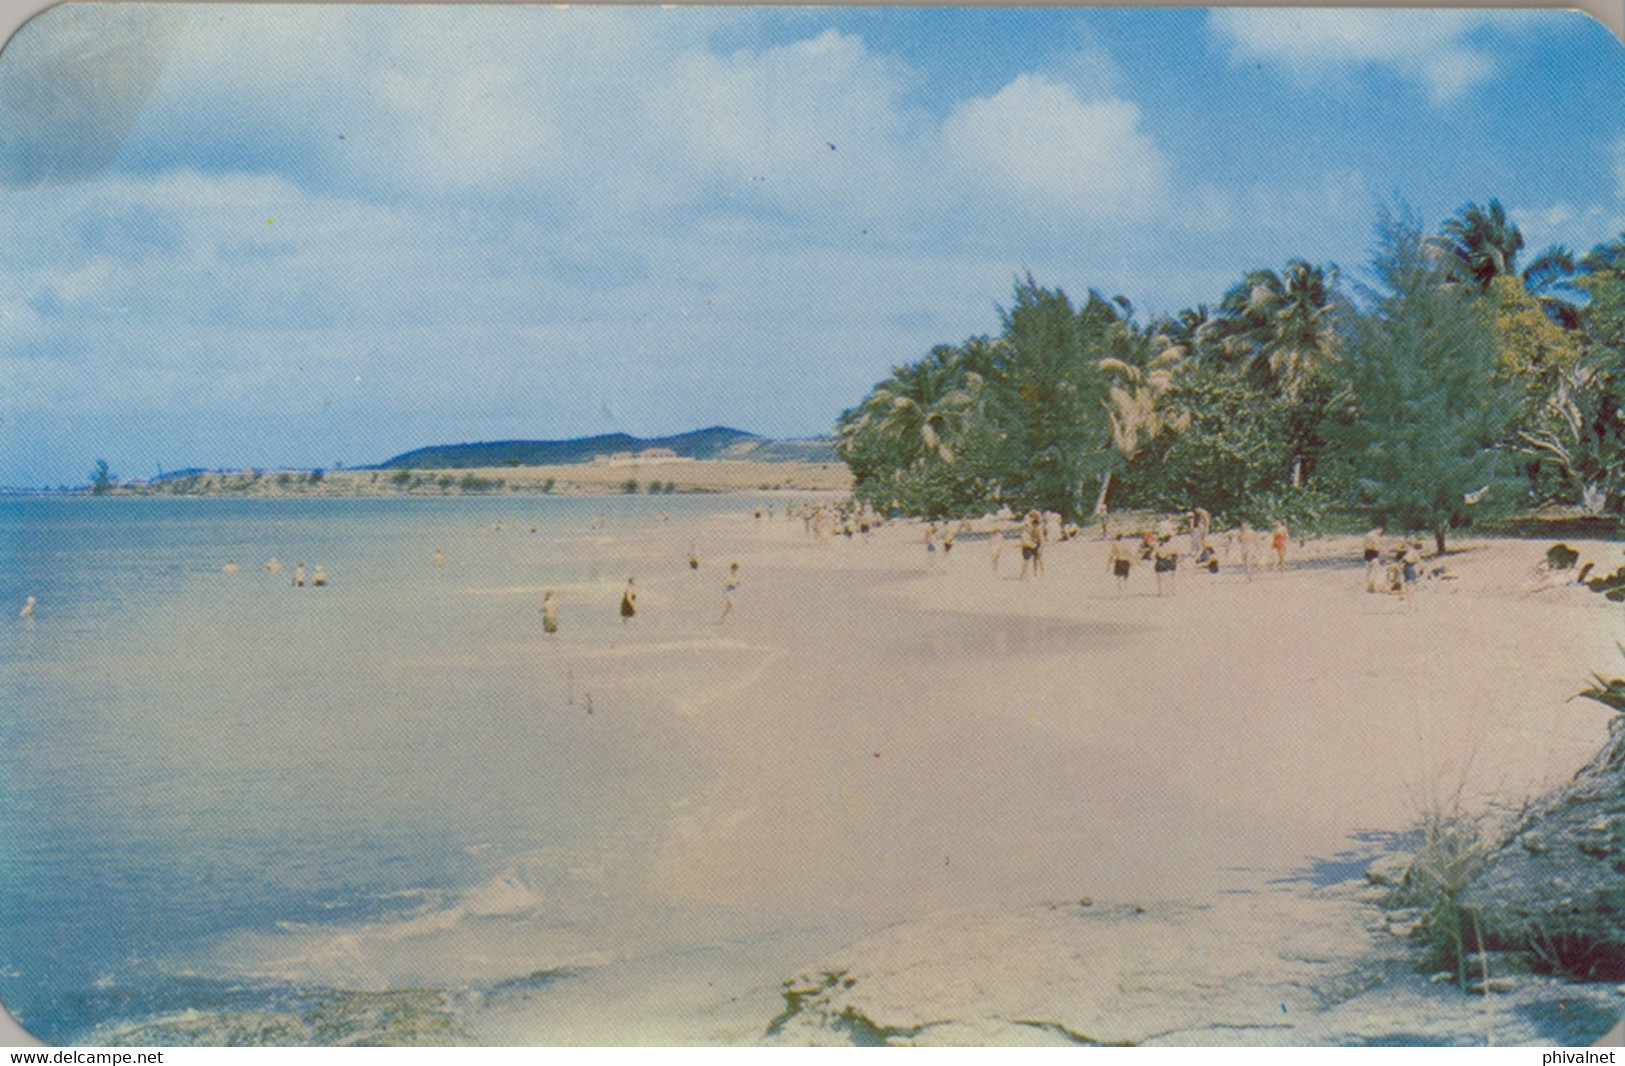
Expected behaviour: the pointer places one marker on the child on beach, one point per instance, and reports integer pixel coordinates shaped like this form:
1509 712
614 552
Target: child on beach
728 587
1278 541
629 602
1373 558
1411 559
1120 562
550 612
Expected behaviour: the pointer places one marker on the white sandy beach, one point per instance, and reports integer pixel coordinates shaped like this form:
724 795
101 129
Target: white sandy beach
893 738
874 739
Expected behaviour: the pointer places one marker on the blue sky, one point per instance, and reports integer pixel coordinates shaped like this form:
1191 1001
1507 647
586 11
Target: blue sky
300 236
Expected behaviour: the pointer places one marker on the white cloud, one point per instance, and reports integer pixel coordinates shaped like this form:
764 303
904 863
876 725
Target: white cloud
814 125
1436 47
1037 142
1577 229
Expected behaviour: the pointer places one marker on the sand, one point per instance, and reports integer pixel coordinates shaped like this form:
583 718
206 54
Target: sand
893 735
564 479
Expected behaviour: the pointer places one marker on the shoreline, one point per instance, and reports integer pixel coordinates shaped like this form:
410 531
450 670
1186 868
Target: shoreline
657 477
887 736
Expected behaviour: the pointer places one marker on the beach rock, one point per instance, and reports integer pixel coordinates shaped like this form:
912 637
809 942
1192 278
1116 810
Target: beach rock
1283 967
1556 884
414 1017
1247 968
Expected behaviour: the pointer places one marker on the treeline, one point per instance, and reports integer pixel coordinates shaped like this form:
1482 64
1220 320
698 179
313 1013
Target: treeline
1448 384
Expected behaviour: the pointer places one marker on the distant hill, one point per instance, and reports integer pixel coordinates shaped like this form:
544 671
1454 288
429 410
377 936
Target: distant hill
717 442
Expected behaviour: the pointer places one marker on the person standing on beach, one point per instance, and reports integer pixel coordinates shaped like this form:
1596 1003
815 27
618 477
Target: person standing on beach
550 612
1373 559
1201 522
299 576
1165 562
729 585
693 558
997 540
629 602
1411 560
1247 541
1120 562
1278 541
1032 544
931 546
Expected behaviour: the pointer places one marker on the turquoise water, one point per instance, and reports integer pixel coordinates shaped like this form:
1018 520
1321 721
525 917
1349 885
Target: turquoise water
188 754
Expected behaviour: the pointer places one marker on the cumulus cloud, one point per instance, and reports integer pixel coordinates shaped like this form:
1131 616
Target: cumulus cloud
1439 48
1038 142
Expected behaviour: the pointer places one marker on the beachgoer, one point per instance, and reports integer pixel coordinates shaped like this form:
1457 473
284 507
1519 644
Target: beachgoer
693 558
1373 559
550 612
1120 562
931 546
997 540
229 568
1201 522
629 601
1411 559
28 609
729 586
947 544
318 578
1032 544
1247 541
439 558
1165 563
299 576
273 565
1278 541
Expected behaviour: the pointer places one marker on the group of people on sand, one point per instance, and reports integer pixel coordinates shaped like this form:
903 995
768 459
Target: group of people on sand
629 597
1402 569
1160 547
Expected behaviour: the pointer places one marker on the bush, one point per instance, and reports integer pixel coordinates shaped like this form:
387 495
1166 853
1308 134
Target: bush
1452 852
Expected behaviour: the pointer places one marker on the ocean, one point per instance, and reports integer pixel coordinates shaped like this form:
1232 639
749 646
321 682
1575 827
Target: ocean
222 793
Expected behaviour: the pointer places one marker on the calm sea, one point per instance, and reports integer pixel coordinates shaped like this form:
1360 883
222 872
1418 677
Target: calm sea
188 754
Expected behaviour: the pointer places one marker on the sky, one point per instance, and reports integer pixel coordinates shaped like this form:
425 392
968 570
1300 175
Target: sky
257 236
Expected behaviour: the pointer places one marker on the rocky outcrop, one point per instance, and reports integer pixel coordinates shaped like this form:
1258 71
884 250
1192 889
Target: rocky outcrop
415 1017
1556 886
1282 967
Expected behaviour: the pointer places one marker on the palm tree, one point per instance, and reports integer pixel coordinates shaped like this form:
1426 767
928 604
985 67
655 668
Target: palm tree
1550 280
1301 337
1479 245
1136 400
1277 328
921 407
